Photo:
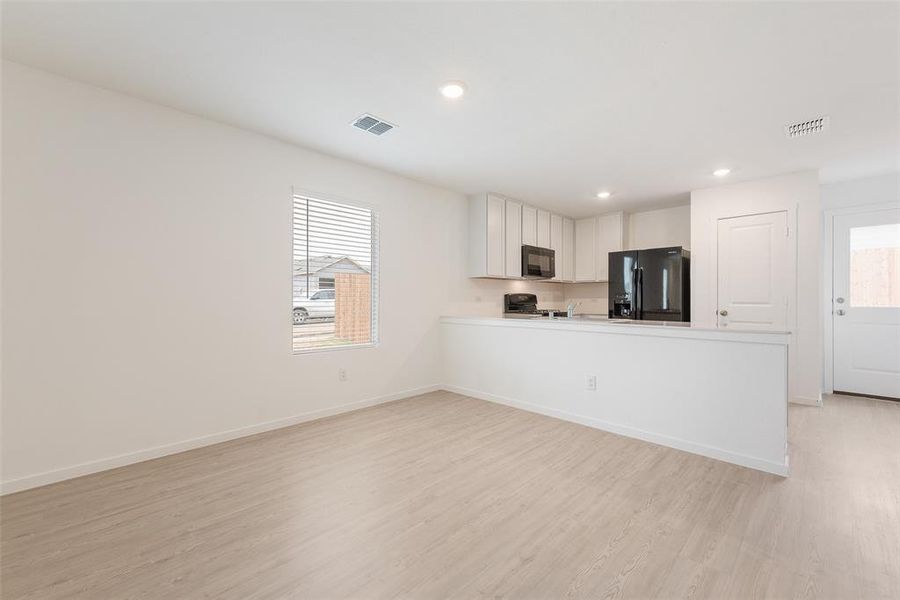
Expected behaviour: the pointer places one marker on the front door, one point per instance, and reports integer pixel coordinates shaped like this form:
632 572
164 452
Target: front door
752 272
866 303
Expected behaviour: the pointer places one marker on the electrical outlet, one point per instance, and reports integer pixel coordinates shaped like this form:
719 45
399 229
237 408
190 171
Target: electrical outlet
590 383
342 374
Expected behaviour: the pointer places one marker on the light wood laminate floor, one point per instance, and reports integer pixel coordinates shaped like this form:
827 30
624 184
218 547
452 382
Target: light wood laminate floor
445 496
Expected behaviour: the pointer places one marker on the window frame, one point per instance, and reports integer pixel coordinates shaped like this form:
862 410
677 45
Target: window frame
375 293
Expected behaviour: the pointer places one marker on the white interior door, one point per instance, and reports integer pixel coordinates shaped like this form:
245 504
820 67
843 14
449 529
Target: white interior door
866 303
752 272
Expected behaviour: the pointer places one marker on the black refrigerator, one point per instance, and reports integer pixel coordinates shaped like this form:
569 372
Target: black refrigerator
653 285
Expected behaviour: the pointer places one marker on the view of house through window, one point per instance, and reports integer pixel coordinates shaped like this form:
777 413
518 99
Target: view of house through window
875 266
335 277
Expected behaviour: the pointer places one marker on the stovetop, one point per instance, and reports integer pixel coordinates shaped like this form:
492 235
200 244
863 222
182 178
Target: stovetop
523 305
531 313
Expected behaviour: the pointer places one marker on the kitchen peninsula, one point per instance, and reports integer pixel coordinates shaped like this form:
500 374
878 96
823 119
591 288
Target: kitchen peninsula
714 392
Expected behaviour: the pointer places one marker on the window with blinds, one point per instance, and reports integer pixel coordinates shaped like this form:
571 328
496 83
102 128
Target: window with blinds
335 280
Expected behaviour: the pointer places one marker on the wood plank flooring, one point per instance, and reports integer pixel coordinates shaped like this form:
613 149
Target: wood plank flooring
445 496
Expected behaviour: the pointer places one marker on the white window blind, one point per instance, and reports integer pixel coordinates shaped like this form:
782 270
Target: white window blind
335 280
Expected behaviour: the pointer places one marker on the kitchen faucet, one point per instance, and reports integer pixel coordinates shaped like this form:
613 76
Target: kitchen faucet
570 309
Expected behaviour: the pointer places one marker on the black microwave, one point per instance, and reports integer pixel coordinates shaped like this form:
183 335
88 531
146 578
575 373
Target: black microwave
538 263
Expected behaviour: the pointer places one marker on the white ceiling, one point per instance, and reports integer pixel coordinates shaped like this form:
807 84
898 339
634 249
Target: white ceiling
564 99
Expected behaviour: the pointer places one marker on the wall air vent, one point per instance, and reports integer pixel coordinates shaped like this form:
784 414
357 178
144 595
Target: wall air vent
372 124
817 125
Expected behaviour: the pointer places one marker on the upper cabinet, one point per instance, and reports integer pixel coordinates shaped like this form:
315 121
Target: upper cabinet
487 241
595 238
609 239
586 249
529 226
513 243
543 228
556 244
499 227
568 249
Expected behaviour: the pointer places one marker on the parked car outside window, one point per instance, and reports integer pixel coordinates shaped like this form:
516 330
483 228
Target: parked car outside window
319 306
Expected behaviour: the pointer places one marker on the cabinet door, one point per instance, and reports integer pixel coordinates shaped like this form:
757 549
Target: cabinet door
543 228
529 226
513 239
568 250
609 239
495 241
585 249
556 244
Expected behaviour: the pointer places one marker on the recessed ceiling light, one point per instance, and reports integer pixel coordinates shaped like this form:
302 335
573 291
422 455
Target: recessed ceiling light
453 89
721 172
604 195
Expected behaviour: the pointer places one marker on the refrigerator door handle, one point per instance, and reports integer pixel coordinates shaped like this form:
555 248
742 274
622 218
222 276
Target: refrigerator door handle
634 282
640 313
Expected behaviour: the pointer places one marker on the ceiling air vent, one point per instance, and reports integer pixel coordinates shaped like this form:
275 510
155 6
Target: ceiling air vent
372 124
817 125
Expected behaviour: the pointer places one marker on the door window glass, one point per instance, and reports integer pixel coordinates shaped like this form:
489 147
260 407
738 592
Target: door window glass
875 266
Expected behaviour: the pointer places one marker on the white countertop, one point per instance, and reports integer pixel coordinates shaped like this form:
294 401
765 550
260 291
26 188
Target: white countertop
599 324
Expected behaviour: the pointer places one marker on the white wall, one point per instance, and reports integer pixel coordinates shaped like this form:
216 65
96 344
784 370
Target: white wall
659 228
798 194
147 280
880 189
591 298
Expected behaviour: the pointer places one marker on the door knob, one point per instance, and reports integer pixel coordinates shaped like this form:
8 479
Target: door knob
839 300
723 312
840 312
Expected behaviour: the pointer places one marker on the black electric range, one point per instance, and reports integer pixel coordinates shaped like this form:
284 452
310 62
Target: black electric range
524 305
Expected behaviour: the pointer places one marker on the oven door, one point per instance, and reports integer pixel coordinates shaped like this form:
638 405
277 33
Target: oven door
538 263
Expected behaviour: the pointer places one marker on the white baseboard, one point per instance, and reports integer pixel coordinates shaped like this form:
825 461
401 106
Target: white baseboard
809 401
663 440
48 477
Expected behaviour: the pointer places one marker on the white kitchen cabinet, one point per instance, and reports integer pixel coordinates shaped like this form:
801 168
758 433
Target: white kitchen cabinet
595 238
543 228
556 244
568 249
529 226
609 239
486 236
585 249
499 227
513 239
